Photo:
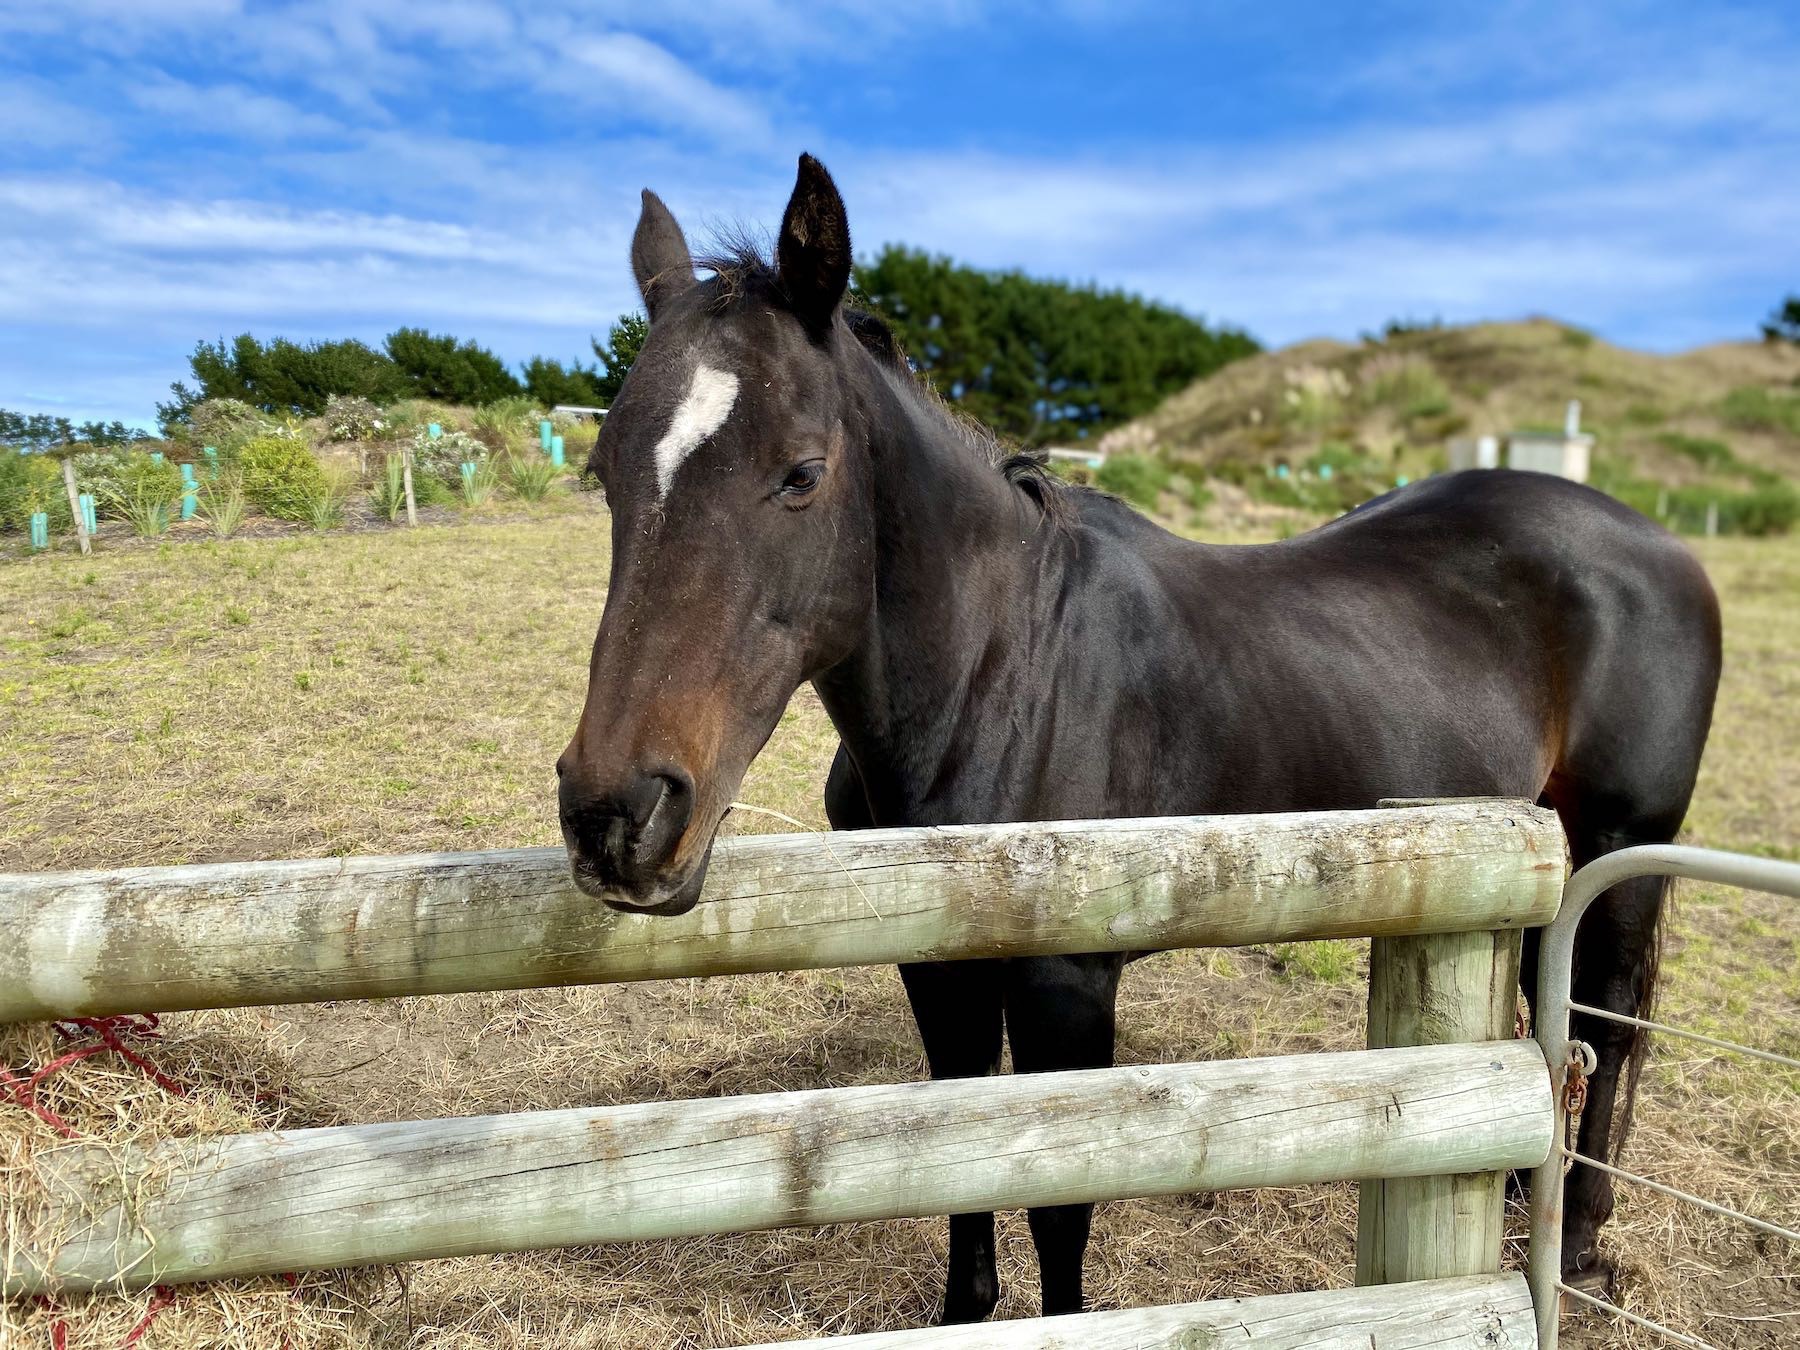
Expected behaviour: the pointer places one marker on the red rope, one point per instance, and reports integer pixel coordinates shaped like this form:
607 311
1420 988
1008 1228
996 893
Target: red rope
112 1032
138 1026
164 1297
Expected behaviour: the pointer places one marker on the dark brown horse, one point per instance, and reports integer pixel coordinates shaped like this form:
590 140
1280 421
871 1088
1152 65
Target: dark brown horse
789 504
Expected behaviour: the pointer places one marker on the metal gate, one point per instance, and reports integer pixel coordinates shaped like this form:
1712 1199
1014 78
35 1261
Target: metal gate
1555 972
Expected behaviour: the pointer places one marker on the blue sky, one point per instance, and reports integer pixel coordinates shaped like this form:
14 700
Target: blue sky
171 171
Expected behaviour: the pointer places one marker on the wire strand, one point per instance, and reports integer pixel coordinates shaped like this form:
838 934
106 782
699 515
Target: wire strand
1679 1337
1776 1229
1732 1046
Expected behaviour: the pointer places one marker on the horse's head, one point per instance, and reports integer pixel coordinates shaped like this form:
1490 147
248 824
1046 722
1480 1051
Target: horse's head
742 560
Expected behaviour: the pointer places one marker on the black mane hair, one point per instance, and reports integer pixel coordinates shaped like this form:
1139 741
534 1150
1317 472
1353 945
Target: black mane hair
742 273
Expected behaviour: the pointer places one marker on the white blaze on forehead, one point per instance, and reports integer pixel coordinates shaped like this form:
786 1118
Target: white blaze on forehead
708 403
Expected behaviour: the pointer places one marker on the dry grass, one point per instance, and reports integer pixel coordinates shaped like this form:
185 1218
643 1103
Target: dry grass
410 690
1489 378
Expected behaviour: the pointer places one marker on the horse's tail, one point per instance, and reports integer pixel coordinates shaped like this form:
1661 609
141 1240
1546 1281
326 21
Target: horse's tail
1649 987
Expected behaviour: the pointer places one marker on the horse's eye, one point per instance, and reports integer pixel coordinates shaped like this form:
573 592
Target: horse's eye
803 478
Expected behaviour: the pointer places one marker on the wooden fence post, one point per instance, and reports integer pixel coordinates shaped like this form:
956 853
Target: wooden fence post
412 510
1438 989
81 530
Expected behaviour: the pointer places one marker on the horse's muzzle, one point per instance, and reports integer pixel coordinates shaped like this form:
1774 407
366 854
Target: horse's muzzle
623 839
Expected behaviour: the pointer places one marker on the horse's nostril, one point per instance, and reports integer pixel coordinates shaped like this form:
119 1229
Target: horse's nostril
627 835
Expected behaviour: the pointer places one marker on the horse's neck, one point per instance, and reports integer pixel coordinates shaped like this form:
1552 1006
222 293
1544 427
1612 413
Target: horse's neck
958 551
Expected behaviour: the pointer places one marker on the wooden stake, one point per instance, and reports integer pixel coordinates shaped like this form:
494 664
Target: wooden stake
412 511
68 468
1436 989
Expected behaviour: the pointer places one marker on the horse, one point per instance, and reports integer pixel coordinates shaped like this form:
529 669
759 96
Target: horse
791 504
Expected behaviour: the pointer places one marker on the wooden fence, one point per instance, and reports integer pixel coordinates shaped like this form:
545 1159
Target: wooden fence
1428 1118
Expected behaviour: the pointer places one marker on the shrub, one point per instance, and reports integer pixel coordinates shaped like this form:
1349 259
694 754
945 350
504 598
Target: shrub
220 503
502 424
30 483
388 496
351 418
98 472
1769 510
281 476
227 423
389 493
478 486
145 493
1757 409
1314 396
1134 477
323 502
1198 495
531 476
1707 453
442 457
1390 379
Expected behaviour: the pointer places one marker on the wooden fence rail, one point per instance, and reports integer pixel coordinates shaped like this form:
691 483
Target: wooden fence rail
348 1195
1481 1312
246 934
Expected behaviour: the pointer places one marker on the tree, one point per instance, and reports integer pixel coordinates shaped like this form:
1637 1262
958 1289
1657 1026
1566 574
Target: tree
623 342
40 431
33 431
1039 361
1784 322
439 367
283 377
549 383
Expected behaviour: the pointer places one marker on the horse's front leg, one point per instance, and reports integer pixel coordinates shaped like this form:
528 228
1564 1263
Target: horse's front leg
1059 1015
957 1006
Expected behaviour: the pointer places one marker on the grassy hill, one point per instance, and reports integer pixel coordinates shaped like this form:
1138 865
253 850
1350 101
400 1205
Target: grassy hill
1348 419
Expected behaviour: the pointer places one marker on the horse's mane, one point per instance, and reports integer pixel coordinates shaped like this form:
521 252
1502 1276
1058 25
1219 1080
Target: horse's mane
743 273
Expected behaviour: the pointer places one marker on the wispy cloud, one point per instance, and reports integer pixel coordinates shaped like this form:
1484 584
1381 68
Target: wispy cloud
638 79
319 167
227 109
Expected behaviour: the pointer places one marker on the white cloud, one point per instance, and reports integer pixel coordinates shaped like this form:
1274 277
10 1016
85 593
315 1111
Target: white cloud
228 108
643 80
34 114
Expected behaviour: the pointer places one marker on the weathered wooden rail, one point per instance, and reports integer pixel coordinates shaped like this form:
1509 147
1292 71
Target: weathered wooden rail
357 1194
157 939
1428 1117
1480 1312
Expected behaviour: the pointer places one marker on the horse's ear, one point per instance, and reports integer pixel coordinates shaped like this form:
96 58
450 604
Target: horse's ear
812 259
659 255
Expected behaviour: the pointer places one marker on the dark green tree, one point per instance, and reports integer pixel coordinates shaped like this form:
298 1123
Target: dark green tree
282 377
40 431
1039 361
550 383
623 342
33 431
440 367
1783 324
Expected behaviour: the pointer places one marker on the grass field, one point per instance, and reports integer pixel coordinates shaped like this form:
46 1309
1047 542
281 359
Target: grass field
394 691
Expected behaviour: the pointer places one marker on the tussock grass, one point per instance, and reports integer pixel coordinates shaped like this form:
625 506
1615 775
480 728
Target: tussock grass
151 711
